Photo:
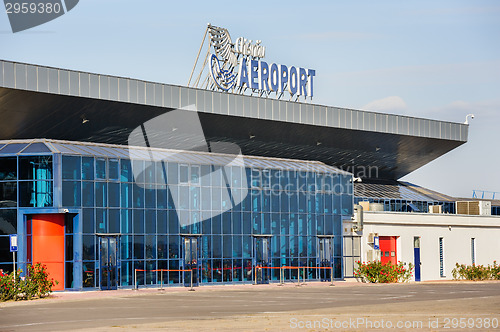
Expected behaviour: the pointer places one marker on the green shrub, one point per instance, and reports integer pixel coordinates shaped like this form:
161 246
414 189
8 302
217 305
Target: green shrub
476 272
36 284
378 272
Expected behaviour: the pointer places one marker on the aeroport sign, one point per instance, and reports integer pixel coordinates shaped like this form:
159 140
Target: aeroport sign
258 75
239 66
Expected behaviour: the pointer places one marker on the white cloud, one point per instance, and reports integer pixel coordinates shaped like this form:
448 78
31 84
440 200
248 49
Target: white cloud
392 104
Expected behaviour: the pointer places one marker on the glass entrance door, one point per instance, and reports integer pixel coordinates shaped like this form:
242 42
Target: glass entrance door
261 259
191 261
108 265
325 257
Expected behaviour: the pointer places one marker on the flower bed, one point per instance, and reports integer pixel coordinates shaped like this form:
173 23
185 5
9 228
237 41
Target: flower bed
36 284
378 272
476 272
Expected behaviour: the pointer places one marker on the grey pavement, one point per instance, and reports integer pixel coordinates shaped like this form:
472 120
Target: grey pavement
101 309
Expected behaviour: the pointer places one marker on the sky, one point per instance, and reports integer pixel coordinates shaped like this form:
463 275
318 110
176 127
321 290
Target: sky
431 59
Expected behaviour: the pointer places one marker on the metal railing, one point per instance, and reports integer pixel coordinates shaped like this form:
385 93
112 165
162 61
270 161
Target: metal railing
256 269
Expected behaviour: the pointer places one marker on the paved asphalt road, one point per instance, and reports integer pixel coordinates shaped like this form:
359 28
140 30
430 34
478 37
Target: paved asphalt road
212 303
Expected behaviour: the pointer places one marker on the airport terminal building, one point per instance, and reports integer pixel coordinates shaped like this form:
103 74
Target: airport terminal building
113 181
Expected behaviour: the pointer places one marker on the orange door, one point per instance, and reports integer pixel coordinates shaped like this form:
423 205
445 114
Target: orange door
48 245
388 249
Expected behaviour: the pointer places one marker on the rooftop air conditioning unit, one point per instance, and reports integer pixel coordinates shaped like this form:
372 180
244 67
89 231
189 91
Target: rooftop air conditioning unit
358 218
371 237
377 207
474 208
365 205
435 209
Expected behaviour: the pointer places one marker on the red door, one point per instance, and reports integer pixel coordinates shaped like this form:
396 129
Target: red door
388 249
48 245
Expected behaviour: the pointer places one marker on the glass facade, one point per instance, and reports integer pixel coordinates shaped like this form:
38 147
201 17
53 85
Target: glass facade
404 205
227 209
25 181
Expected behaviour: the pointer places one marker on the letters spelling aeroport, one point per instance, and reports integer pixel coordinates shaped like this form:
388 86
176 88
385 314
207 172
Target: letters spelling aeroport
238 66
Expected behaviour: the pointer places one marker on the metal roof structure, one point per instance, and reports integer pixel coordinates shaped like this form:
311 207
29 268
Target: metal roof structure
398 190
100 150
43 102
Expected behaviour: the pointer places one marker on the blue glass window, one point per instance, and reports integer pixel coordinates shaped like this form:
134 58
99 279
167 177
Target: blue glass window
88 193
71 193
35 193
35 168
138 221
100 168
126 221
114 221
150 221
71 168
205 175
8 194
138 196
101 219
173 222
256 178
114 169
150 196
101 189
195 174
126 195
87 168
8 225
8 169
139 248
113 194
126 174
161 196
173 173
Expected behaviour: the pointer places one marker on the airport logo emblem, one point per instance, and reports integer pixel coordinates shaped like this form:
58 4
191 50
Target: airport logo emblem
27 14
239 67
224 79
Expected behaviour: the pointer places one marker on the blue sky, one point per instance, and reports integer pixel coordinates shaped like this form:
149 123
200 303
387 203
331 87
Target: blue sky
433 59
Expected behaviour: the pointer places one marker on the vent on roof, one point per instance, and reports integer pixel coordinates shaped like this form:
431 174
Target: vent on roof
435 209
475 208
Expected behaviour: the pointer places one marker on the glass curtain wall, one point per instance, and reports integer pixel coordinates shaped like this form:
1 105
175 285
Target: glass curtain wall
291 205
25 181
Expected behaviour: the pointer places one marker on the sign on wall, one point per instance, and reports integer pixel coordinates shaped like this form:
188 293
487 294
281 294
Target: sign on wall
13 242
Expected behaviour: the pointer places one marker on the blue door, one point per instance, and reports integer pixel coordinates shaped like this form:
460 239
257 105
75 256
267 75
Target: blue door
416 255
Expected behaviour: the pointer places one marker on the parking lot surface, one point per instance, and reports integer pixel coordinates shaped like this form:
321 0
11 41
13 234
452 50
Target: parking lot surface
312 307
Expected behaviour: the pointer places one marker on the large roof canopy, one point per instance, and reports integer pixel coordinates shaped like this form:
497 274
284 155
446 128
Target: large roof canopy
43 102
